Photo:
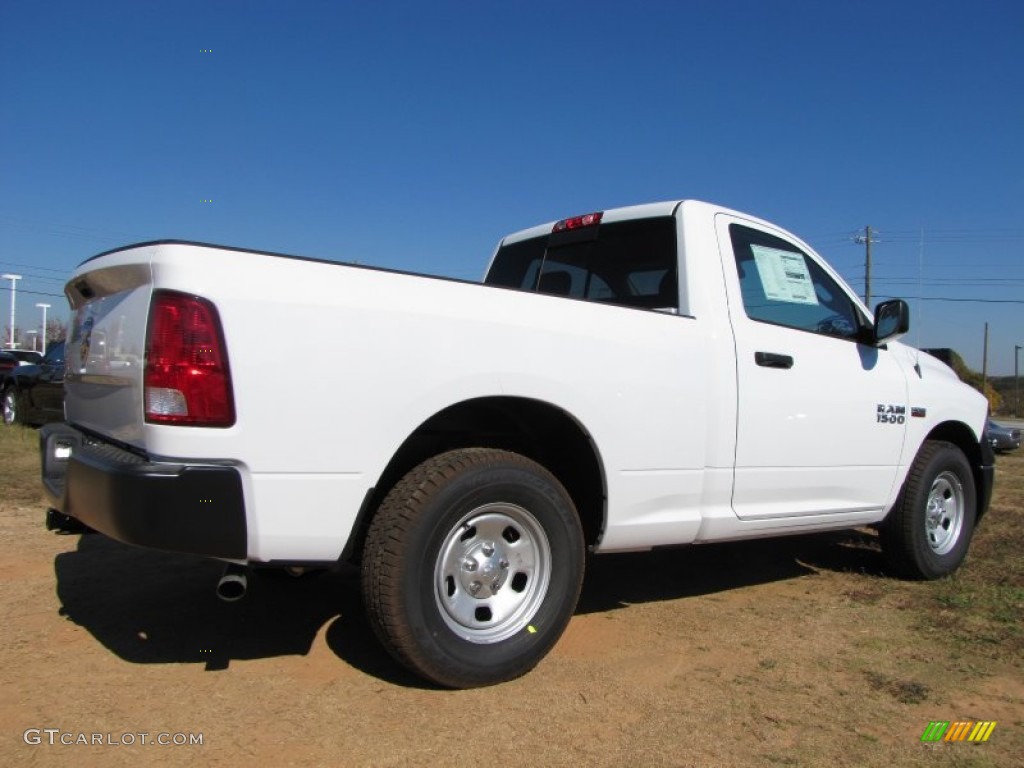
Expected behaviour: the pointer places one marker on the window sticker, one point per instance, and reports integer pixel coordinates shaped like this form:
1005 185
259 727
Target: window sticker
784 275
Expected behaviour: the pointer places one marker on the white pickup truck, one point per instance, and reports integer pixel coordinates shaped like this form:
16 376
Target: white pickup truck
665 374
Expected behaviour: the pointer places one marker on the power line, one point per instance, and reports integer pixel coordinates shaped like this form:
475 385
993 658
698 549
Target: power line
63 230
989 287
35 266
933 236
46 278
34 293
958 281
955 237
950 298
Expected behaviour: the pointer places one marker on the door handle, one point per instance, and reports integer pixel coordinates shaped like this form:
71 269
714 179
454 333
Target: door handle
773 360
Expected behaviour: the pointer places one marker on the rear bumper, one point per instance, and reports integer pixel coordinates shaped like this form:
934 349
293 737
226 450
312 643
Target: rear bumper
176 505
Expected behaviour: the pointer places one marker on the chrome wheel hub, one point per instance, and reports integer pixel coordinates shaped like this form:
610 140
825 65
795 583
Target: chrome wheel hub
492 573
944 513
484 569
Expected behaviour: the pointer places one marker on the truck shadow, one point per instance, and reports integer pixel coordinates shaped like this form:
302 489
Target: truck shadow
151 607
614 581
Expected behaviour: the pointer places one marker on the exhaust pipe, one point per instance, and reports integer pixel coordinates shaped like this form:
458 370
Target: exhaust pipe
233 584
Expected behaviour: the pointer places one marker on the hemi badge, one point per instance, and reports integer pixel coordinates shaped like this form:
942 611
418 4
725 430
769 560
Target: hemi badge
918 413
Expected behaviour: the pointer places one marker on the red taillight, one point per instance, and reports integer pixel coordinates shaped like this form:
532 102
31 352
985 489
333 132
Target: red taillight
576 222
187 381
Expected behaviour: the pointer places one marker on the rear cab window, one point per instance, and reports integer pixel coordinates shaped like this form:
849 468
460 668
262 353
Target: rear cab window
628 263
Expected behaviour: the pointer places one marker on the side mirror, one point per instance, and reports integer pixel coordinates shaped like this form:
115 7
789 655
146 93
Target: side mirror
892 320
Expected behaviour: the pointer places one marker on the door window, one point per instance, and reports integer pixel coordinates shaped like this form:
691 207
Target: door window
782 285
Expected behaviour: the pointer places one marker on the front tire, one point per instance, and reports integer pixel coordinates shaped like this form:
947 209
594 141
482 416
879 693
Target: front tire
11 408
472 567
927 534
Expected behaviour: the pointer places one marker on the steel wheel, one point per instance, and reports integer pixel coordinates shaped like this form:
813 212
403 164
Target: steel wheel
929 529
472 566
10 407
944 516
492 573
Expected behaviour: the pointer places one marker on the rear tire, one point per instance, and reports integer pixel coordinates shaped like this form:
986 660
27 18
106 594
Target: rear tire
472 567
927 534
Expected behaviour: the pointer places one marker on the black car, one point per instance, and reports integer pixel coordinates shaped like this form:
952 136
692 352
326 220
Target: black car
25 356
1001 438
34 394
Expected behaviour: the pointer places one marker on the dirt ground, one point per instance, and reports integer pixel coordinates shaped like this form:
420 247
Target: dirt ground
794 652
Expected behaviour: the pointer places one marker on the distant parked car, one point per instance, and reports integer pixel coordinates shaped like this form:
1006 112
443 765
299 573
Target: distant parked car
12 358
25 356
34 393
1001 438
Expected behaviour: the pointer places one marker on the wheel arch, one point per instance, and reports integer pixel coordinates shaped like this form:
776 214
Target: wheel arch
963 437
538 430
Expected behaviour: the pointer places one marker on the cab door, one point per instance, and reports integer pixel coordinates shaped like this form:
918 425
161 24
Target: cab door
821 416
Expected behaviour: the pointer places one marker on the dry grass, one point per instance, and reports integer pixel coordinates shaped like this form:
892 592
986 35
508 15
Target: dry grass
792 652
980 609
19 459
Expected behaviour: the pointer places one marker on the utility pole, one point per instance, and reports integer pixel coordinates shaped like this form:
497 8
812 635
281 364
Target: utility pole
14 286
984 365
867 240
1016 380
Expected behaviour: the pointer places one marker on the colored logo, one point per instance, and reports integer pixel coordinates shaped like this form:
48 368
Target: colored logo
958 730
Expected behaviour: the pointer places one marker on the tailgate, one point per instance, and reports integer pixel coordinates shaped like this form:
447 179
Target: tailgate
105 355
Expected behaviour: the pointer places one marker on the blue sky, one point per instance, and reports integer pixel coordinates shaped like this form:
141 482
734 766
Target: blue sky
414 135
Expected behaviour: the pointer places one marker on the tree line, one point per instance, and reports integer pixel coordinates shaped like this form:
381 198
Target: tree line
56 330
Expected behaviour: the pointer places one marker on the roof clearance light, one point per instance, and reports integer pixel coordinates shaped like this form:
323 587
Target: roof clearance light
577 222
